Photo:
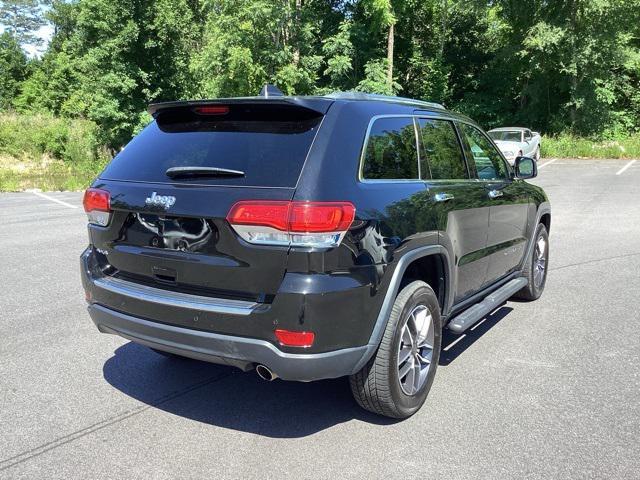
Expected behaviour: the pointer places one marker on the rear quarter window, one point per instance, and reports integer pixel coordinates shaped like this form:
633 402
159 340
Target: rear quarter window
391 150
269 144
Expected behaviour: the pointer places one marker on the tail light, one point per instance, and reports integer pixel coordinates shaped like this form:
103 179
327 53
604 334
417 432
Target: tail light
298 224
288 338
97 204
212 110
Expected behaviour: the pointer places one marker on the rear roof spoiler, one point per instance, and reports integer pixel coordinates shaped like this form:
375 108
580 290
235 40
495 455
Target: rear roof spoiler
317 104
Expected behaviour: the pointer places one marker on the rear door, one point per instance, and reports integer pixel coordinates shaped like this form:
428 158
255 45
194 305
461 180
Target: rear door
168 230
460 202
508 199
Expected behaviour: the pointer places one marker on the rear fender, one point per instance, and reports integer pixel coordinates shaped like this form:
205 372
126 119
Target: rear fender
392 292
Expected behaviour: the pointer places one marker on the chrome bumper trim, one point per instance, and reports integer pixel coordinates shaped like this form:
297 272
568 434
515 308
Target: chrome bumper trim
175 299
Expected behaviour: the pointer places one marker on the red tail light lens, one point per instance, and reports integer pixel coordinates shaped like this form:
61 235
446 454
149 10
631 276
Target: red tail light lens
308 217
97 204
212 110
266 214
96 199
288 338
309 224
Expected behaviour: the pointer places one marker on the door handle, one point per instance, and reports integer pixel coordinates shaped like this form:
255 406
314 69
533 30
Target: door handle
495 193
443 197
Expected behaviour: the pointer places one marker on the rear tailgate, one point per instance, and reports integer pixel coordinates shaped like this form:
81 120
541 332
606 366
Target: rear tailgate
172 232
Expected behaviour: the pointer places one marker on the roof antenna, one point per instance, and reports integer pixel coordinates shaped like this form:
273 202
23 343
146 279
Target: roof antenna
270 91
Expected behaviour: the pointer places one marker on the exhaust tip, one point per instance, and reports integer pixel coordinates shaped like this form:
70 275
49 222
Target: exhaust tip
265 373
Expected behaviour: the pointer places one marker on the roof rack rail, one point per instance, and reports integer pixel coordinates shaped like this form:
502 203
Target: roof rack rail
351 95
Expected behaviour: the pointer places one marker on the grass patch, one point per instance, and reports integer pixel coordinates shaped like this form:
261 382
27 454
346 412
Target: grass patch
50 153
17 174
569 146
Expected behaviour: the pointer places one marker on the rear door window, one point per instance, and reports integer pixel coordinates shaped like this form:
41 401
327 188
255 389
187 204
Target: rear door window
391 150
268 143
440 151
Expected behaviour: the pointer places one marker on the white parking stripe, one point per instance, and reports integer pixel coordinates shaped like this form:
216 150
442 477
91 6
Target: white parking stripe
51 199
547 163
621 171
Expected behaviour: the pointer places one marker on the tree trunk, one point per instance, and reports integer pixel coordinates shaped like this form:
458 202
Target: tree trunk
390 41
443 26
296 51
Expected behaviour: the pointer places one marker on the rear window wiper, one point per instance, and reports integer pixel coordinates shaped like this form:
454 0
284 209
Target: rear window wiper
177 172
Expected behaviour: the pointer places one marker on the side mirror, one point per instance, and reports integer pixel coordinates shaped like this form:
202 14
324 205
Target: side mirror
526 168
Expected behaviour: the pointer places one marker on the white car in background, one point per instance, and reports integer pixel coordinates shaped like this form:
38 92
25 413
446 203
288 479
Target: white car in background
516 142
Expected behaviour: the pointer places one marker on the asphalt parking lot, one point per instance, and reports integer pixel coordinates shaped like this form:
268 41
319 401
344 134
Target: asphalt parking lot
549 389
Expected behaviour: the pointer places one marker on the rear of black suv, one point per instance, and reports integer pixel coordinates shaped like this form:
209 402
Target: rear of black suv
312 238
201 245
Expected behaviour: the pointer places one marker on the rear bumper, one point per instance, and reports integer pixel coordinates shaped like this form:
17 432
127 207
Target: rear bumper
239 333
240 352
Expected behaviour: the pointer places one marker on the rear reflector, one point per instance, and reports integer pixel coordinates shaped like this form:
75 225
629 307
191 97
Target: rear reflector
288 338
212 110
304 224
97 204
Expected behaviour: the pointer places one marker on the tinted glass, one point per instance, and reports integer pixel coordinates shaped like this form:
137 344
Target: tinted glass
506 136
391 150
440 151
269 145
489 163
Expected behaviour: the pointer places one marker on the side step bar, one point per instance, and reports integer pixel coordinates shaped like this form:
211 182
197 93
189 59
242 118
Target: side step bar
480 310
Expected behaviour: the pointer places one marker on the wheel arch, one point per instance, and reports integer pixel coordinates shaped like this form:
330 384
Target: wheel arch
542 215
409 261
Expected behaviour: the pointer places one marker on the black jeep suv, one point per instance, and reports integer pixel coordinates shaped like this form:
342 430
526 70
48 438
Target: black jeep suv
312 237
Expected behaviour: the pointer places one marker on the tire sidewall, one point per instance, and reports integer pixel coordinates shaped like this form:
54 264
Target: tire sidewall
409 404
538 289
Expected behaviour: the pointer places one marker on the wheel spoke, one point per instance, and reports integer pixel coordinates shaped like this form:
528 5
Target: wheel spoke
410 378
406 368
417 378
404 354
406 337
425 358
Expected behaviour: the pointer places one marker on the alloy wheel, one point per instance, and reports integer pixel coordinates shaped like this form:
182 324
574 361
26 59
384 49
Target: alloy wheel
415 350
540 262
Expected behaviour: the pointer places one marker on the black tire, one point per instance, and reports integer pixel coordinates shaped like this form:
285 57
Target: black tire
536 156
535 287
377 386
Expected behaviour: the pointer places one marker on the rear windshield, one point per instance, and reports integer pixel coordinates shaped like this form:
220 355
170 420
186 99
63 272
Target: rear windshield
268 143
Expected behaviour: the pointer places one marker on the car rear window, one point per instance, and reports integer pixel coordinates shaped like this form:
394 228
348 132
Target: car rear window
268 143
391 150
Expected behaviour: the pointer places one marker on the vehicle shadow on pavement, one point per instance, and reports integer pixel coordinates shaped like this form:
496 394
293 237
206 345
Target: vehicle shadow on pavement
454 345
226 397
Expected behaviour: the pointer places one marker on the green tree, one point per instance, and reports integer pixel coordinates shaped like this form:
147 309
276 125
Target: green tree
13 69
23 18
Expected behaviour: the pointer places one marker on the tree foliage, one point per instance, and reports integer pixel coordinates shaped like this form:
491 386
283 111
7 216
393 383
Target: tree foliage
562 66
22 18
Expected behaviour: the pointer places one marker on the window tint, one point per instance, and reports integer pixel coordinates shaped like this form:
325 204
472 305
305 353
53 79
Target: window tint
391 150
440 150
489 164
268 143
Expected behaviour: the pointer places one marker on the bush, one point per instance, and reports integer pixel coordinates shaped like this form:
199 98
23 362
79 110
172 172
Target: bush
70 140
570 146
42 151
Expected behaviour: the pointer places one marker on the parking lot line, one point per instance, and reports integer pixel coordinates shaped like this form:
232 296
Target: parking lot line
51 199
547 163
622 170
